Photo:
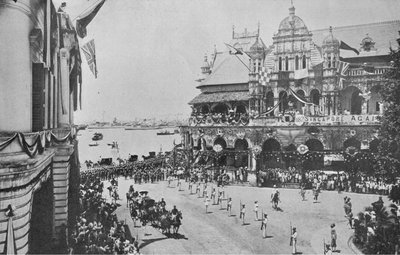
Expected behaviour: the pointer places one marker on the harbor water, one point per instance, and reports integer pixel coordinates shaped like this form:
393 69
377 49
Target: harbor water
130 142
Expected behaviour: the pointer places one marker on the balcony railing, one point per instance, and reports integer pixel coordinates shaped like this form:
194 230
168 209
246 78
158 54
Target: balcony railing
287 119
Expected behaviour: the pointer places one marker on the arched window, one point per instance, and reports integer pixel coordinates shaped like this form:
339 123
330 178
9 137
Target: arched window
297 63
280 63
334 61
304 62
287 63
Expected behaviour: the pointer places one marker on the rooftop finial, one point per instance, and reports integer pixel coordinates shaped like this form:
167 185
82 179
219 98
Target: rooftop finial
233 31
291 9
258 29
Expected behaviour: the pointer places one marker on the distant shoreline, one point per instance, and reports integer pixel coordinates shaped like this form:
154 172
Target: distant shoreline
130 128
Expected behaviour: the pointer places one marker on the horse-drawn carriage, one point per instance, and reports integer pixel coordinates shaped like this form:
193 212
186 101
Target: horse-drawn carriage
148 211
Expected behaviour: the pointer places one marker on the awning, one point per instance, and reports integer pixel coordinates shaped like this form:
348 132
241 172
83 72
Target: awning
220 97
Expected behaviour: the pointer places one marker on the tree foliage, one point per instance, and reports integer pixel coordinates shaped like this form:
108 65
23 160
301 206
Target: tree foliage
387 161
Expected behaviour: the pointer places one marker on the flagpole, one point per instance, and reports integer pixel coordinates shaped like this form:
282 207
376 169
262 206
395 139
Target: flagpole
91 6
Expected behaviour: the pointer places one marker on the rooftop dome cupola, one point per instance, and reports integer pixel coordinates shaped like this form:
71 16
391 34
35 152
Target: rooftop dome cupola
291 14
330 43
257 50
330 50
292 22
205 68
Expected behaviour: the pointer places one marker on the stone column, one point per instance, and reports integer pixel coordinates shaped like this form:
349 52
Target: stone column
16 66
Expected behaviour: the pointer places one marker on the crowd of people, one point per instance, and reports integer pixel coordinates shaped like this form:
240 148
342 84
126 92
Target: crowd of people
328 180
140 171
97 229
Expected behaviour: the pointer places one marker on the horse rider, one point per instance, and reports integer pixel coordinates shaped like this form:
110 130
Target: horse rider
264 225
229 206
256 210
162 203
174 211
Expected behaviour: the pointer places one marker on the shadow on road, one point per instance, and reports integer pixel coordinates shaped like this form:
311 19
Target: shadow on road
146 242
177 236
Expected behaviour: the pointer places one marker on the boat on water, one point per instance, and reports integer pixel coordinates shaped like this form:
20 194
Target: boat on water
165 132
142 128
97 136
93 144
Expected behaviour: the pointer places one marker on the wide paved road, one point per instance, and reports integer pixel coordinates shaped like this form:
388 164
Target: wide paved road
217 233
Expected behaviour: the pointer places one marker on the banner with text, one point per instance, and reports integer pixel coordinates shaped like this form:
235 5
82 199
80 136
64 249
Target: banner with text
335 119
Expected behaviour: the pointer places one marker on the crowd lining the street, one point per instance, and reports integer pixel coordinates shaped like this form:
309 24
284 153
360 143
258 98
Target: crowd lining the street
97 229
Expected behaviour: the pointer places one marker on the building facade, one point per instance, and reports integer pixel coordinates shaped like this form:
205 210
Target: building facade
40 82
309 100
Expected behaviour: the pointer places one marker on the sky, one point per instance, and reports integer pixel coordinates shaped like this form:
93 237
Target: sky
149 52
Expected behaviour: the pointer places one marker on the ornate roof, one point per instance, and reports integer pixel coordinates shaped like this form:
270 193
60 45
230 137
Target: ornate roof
292 21
257 50
384 35
220 97
229 69
330 40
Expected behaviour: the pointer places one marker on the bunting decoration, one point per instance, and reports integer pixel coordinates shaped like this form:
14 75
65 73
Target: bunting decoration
39 142
85 18
264 76
298 97
90 53
271 109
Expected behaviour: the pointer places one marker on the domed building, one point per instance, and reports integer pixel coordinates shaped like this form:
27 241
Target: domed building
299 103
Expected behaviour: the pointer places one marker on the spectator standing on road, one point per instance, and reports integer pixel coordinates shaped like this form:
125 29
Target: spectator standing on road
207 203
229 206
242 213
333 237
294 241
264 225
219 201
303 193
256 210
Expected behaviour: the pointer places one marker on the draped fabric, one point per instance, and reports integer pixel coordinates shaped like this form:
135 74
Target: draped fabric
8 142
39 142
272 109
298 97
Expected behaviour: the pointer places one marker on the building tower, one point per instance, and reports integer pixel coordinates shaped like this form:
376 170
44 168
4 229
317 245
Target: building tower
330 53
256 90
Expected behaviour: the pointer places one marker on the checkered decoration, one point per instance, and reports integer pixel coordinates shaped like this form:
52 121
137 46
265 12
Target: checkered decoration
263 76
